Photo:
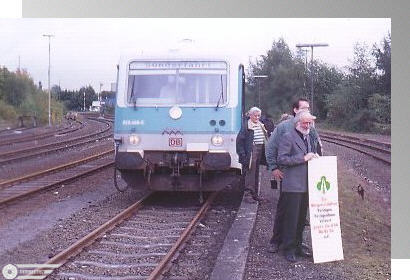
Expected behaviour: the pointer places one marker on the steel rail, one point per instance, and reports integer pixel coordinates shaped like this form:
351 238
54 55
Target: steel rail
357 142
37 137
54 144
359 150
59 167
7 160
76 248
50 185
15 129
90 238
161 266
356 138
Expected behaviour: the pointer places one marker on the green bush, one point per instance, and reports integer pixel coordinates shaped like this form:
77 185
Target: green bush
380 105
382 128
7 112
362 121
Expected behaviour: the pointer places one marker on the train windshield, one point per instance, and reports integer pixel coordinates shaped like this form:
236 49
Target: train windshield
177 82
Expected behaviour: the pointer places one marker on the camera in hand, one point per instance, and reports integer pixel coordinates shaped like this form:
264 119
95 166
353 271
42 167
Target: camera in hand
273 184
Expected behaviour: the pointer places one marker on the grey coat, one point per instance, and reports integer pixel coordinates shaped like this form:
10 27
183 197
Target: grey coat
272 145
291 153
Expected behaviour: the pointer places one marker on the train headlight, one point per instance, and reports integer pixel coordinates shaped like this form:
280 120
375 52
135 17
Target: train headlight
134 139
217 140
175 112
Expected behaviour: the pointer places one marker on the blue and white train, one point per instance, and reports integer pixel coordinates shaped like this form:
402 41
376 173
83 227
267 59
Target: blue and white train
177 117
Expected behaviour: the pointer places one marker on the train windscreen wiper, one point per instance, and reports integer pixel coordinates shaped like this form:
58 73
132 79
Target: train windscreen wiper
132 95
221 96
133 98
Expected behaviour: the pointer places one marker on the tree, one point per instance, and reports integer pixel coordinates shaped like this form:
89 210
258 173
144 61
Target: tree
362 73
327 81
55 92
383 63
349 100
284 81
380 106
89 94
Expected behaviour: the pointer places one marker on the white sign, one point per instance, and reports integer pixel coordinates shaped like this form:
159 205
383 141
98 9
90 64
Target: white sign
177 65
324 210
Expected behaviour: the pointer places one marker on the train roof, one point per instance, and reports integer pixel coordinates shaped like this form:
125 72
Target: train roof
177 54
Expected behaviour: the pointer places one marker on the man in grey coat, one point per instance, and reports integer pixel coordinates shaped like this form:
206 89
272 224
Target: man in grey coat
300 104
294 151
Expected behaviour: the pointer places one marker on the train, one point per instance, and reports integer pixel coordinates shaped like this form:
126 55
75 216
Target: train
177 117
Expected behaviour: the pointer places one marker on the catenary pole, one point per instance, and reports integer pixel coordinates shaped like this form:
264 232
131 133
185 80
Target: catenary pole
311 46
49 66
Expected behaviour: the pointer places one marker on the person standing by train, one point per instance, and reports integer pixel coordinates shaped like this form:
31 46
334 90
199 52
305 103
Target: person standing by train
286 124
250 148
294 151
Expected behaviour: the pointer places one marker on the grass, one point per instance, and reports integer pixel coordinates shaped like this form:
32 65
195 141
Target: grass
365 229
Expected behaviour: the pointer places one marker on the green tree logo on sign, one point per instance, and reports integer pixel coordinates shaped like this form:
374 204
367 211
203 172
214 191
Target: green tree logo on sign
323 185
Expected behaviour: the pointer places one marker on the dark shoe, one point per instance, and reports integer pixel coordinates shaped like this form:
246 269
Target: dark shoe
304 246
303 253
273 248
290 257
257 198
250 190
249 199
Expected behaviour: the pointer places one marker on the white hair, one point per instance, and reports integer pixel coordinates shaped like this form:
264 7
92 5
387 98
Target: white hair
254 110
304 114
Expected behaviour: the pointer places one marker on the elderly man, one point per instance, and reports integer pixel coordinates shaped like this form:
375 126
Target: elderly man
249 147
294 151
300 104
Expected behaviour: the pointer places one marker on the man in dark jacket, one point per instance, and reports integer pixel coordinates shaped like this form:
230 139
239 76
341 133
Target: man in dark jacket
294 151
271 151
250 149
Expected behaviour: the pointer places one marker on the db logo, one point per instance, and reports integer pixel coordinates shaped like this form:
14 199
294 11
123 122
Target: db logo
9 271
175 142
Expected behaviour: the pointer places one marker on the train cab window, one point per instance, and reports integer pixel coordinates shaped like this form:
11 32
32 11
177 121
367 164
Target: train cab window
204 88
178 84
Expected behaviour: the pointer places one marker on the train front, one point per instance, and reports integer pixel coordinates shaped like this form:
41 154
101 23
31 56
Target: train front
176 123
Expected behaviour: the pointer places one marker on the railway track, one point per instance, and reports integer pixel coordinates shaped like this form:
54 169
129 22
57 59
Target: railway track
13 130
138 243
61 131
25 153
378 150
16 188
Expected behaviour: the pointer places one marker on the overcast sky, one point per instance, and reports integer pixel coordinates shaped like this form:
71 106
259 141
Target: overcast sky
86 51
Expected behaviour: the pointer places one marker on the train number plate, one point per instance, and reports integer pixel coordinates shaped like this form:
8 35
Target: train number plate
175 142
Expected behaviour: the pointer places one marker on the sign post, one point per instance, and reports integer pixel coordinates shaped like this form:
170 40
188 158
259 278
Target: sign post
324 210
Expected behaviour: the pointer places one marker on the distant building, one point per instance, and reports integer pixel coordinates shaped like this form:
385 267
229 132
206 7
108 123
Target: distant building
95 106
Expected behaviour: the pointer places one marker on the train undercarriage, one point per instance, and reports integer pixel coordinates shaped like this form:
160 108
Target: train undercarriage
177 171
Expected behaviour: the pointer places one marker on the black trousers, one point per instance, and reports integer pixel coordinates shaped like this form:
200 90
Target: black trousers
277 224
252 174
295 209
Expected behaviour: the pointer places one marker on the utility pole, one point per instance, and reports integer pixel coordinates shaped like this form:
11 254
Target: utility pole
258 86
99 95
311 46
49 66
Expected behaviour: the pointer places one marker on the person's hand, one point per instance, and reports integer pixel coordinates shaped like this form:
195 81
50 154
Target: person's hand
309 156
277 174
